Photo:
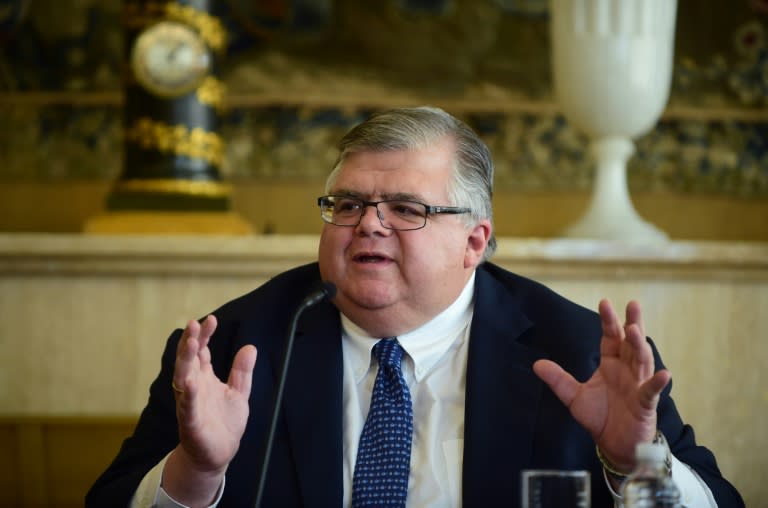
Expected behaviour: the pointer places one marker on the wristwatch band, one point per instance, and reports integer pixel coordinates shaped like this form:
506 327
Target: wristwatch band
614 473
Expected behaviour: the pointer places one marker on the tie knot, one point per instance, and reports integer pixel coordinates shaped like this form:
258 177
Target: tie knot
388 352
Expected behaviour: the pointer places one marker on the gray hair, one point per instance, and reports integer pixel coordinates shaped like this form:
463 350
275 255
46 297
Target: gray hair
414 128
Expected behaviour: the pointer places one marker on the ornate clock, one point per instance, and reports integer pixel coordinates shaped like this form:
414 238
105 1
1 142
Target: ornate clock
170 59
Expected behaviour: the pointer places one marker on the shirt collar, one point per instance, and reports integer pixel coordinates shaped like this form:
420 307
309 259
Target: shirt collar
425 345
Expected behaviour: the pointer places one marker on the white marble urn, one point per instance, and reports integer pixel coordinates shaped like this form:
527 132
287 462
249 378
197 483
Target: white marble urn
612 67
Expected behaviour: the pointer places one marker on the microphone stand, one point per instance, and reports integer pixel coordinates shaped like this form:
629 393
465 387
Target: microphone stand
327 289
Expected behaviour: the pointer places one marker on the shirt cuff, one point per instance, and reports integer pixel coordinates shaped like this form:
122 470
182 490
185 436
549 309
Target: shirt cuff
150 493
693 491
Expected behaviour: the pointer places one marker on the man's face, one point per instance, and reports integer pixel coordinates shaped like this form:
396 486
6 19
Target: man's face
389 282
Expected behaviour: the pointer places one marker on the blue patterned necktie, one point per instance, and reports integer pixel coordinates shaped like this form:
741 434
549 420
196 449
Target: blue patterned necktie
384 452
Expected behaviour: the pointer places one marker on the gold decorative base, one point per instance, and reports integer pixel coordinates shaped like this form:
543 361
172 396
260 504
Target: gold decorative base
160 222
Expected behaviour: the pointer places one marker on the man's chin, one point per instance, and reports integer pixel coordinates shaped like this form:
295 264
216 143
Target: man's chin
371 295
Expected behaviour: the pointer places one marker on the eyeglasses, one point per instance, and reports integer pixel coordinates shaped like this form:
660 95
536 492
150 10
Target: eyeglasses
397 214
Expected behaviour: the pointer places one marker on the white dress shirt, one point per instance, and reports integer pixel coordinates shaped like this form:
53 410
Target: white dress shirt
434 368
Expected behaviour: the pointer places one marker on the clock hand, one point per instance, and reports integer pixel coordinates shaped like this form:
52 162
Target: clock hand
171 57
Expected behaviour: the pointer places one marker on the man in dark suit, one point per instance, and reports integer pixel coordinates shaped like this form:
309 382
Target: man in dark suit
498 373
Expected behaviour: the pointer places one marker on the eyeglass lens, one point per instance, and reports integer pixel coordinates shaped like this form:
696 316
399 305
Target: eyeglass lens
395 214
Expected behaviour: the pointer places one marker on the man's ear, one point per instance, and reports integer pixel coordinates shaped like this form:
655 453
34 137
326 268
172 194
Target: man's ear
477 242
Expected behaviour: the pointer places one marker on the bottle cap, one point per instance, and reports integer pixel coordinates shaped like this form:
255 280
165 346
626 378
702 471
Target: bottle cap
650 452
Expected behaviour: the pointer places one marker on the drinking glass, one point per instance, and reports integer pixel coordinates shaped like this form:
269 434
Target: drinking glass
551 488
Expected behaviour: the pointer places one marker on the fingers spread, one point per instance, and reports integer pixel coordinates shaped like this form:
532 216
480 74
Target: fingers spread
192 354
241 375
610 345
192 330
639 352
186 354
207 328
651 389
563 384
610 321
634 316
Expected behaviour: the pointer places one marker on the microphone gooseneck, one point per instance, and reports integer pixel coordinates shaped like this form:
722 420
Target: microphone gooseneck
325 290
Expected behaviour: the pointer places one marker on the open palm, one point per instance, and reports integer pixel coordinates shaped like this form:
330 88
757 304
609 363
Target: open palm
617 405
211 414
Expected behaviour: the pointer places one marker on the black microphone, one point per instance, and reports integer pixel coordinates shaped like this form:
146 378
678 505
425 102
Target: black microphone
326 290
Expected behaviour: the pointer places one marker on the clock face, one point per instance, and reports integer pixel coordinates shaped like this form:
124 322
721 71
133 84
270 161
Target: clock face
170 59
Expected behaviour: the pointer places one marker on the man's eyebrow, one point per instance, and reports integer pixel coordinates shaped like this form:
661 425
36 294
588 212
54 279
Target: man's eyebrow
347 193
404 196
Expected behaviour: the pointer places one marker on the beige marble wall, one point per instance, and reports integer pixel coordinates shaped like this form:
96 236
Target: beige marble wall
83 319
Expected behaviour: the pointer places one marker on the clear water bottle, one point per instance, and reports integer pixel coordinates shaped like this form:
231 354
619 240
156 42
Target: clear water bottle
649 485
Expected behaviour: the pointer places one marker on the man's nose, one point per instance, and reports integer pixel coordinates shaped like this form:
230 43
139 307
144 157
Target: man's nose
375 219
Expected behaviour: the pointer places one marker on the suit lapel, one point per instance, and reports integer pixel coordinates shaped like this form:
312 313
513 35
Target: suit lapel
502 395
313 406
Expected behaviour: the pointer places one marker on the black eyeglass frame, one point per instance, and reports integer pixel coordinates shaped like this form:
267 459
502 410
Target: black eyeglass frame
428 209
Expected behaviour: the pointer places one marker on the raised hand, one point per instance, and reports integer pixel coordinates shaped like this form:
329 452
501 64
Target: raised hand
211 415
617 405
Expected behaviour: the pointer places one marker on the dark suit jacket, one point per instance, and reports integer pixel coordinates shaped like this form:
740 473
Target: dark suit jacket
512 421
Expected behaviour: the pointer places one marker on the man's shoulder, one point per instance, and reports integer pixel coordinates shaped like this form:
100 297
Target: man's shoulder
557 325
511 281
534 298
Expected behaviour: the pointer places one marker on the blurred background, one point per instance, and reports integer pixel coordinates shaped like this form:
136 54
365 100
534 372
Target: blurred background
301 72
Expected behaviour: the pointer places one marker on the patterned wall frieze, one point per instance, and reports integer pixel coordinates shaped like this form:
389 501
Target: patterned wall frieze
60 143
294 49
721 49
532 152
